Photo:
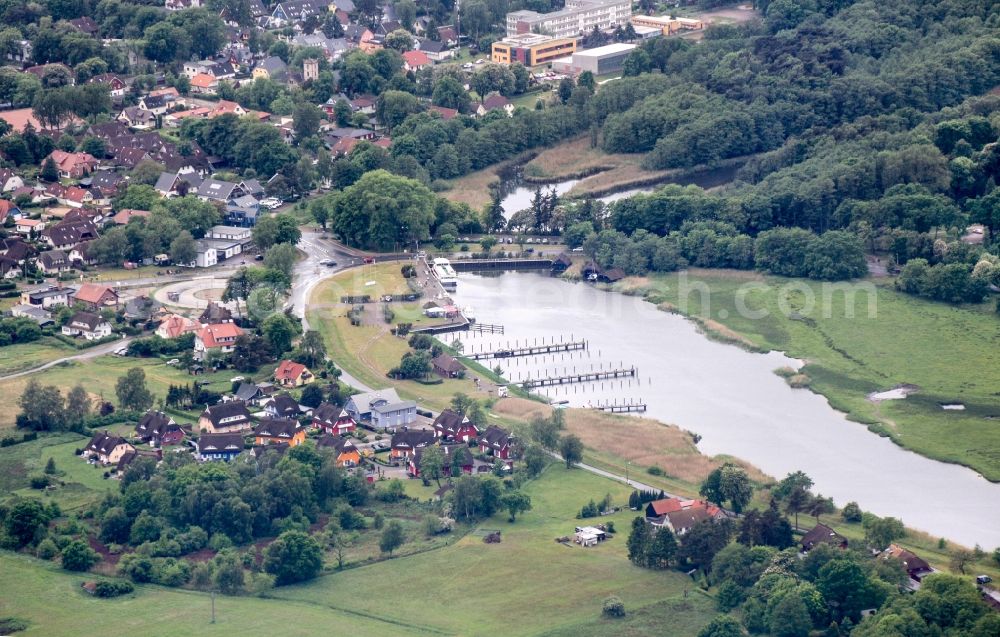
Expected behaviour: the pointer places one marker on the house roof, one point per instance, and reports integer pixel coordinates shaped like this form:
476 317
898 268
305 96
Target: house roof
342 445
284 404
431 45
142 307
153 423
416 59
216 189
104 443
821 534
448 363
389 407
204 80
93 293
289 370
233 408
86 320
54 259
71 231
328 414
412 438
686 518
216 334
122 217
450 421
446 113
247 392
215 313
216 443
911 562
277 428
496 436
273 65
68 161
363 402
176 325
495 100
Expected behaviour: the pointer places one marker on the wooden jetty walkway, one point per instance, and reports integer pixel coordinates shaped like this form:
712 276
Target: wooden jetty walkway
474 265
622 408
532 350
582 377
486 328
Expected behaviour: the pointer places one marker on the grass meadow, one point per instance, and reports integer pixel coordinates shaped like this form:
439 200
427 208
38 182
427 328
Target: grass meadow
952 353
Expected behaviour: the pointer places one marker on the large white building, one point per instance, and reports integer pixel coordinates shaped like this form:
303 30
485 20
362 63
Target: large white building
579 17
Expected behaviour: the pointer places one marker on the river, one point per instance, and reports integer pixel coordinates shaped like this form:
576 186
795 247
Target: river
730 397
517 195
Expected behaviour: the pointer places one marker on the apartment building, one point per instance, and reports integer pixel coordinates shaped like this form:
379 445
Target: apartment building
578 17
531 49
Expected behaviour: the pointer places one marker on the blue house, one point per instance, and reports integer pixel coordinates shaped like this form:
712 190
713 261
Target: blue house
220 446
242 211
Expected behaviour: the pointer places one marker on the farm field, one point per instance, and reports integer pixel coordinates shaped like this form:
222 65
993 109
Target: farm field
951 353
526 585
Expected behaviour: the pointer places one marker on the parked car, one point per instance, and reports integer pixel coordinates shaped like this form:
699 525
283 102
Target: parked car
173 361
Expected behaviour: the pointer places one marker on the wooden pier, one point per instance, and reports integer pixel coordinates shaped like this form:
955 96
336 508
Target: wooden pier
533 350
583 377
623 408
478 265
486 328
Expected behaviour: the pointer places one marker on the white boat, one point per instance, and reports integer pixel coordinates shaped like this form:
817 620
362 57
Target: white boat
445 274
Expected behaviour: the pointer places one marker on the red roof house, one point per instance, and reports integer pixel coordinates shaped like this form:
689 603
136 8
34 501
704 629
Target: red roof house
292 374
414 60
73 165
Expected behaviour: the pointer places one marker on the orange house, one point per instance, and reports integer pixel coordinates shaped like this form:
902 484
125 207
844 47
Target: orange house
274 430
347 453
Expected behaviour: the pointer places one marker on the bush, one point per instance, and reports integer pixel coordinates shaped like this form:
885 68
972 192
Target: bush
852 512
47 549
654 471
613 607
10 625
39 481
113 589
78 556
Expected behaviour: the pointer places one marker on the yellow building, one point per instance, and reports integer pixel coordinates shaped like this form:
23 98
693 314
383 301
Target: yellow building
667 24
532 49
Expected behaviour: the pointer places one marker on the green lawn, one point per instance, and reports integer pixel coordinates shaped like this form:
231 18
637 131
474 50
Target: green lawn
16 358
99 375
951 352
53 603
526 585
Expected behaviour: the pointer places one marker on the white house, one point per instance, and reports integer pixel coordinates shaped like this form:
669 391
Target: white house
88 325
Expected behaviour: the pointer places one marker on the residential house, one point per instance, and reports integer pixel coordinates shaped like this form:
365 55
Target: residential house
204 84
388 416
177 184
242 212
446 113
90 326
225 417
85 25
158 104
76 197
405 443
72 165
69 232
219 337
271 68
219 446
359 406
447 366
137 117
53 262
230 233
215 313
80 254
435 51
47 297
681 515
283 406
143 308
498 442
123 216
822 534
333 420
36 314
279 430
296 11
413 61
115 83
451 425
292 374
256 394
220 70
108 181
29 228
175 325
16 250
493 102
916 567
10 181
215 190
346 453
160 430
96 297
106 448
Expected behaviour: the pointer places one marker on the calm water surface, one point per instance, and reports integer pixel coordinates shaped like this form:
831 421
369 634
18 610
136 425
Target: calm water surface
729 396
